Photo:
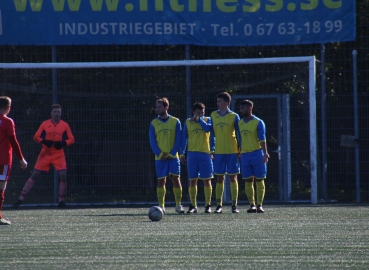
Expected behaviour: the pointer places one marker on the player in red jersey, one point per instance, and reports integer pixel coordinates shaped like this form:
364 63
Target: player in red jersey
8 142
53 134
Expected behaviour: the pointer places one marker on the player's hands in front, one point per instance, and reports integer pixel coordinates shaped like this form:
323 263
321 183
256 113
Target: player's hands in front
164 156
23 163
59 145
48 143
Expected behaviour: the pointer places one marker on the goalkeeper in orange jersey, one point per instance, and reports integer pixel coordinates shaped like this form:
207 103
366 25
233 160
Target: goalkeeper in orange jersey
254 155
165 139
8 143
196 137
54 134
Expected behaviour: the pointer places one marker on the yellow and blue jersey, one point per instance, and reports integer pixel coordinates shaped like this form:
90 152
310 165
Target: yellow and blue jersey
196 135
225 130
252 132
165 136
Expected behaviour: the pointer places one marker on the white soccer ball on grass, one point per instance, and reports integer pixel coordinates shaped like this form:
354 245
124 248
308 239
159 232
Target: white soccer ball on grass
155 213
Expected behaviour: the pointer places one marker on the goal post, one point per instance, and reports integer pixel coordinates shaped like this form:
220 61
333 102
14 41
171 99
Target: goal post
310 60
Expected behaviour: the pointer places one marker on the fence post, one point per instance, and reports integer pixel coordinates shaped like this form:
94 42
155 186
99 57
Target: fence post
188 97
313 139
55 100
286 153
356 124
188 82
324 125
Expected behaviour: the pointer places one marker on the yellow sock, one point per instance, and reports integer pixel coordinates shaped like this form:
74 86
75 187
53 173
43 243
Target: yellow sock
177 195
234 192
249 189
160 192
208 191
219 189
260 191
193 195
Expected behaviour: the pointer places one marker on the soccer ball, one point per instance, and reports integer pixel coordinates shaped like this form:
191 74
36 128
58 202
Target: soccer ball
155 213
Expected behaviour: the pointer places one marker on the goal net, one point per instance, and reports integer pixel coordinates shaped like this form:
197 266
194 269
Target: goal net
109 107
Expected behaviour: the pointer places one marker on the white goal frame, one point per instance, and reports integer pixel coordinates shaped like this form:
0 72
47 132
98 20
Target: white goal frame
220 62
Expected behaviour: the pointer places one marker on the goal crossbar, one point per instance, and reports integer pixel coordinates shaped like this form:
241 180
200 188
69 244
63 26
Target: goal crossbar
172 63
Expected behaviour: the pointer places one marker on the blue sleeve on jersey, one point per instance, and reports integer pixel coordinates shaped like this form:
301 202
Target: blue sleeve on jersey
212 140
237 129
153 143
212 137
261 131
206 126
184 139
177 142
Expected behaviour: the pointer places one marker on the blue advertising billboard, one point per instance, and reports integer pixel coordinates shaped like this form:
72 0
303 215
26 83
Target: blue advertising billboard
198 22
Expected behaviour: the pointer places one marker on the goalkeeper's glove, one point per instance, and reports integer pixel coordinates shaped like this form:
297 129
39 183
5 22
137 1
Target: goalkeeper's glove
47 143
60 144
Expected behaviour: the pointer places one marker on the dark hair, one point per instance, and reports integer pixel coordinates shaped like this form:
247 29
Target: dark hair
164 101
247 102
198 106
56 106
5 102
225 96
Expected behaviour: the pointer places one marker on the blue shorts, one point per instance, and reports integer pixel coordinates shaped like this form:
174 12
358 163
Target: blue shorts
252 165
169 167
226 163
199 165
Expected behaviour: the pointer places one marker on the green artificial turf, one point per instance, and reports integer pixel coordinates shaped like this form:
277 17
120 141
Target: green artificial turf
285 237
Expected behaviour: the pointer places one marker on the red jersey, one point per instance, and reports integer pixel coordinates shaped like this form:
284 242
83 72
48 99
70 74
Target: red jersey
54 132
8 141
